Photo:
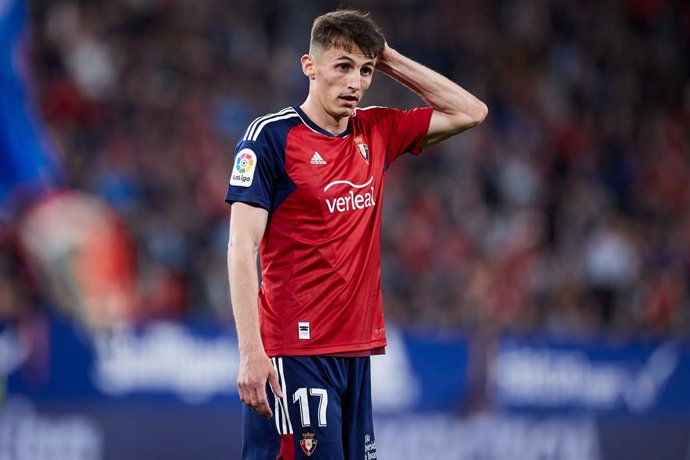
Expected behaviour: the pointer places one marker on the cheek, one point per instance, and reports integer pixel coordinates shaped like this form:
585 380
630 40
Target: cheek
325 87
329 81
333 85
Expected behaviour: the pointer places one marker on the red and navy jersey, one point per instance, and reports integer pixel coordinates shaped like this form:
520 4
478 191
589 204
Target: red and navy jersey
320 254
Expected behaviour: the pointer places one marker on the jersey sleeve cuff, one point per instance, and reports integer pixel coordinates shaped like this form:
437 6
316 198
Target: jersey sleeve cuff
252 202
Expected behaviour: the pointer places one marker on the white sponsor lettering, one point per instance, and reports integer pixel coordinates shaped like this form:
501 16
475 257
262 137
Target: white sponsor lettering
166 357
351 202
27 434
546 377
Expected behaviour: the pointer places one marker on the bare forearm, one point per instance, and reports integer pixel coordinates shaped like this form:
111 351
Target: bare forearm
247 226
243 294
463 110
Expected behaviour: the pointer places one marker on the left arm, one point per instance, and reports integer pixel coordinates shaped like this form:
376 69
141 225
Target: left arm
455 109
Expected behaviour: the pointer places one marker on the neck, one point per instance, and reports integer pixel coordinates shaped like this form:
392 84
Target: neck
326 121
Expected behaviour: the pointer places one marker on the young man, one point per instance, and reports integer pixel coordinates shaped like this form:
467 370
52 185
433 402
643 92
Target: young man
306 188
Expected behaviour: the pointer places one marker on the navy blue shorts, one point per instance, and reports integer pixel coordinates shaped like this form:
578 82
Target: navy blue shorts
325 412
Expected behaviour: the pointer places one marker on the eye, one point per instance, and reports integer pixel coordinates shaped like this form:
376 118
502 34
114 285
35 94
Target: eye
343 66
366 71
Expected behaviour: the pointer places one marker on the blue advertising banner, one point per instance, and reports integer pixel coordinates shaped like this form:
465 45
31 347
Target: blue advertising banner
544 374
197 364
168 391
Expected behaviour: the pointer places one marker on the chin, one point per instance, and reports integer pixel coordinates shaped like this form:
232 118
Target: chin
349 110
342 112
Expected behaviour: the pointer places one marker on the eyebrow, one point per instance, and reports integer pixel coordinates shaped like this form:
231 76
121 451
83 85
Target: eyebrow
349 59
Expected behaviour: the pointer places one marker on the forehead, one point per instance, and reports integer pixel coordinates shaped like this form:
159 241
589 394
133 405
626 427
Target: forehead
334 53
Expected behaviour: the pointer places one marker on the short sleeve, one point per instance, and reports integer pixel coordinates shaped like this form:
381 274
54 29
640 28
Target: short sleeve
408 129
254 174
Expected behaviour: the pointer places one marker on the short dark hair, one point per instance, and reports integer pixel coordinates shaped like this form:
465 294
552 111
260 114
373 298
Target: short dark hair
344 28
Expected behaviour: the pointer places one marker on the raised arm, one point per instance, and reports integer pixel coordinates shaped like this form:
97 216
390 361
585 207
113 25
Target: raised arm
455 109
247 225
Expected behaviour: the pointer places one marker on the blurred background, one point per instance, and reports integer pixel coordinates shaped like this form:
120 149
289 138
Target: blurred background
542 259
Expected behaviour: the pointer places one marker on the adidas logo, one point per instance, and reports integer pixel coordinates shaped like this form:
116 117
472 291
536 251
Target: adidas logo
317 160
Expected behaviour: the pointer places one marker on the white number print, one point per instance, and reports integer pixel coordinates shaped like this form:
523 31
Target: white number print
323 403
301 396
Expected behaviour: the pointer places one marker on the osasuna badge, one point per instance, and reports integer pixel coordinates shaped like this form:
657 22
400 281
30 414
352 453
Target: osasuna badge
308 443
363 148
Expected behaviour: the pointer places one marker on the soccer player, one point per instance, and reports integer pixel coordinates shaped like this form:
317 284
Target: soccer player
306 188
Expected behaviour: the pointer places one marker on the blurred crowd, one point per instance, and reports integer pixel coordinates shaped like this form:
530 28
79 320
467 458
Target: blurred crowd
568 210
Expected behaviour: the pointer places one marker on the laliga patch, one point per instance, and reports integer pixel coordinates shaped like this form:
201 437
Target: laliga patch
245 165
308 443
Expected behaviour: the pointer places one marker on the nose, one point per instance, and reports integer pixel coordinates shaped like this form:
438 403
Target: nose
354 81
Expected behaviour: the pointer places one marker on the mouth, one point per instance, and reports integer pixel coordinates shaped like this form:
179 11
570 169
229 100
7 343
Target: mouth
349 100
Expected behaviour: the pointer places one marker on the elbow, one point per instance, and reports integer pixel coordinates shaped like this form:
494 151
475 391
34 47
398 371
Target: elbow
470 117
479 113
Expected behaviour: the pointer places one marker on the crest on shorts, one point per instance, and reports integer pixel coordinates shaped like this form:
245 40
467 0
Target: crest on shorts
362 147
308 443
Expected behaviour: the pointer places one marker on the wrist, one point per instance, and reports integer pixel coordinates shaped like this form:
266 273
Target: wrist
389 53
387 60
251 346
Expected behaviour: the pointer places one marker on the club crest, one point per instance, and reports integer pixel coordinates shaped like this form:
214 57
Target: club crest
363 148
308 443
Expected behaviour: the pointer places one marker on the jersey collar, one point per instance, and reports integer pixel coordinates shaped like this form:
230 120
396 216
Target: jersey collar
314 127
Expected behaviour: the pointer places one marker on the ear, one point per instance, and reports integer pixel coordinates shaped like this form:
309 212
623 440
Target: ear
308 65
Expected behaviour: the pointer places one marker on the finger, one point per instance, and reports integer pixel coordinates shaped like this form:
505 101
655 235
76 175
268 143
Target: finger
245 392
260 402
240 391
275 385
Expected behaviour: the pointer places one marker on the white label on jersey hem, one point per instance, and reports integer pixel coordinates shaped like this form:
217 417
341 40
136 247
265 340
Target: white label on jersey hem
303 330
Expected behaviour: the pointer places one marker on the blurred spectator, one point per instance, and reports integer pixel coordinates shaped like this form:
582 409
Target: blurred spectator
611 267
566 210
76 245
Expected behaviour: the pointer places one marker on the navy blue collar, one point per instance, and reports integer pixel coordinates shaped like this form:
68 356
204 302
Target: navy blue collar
314 127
